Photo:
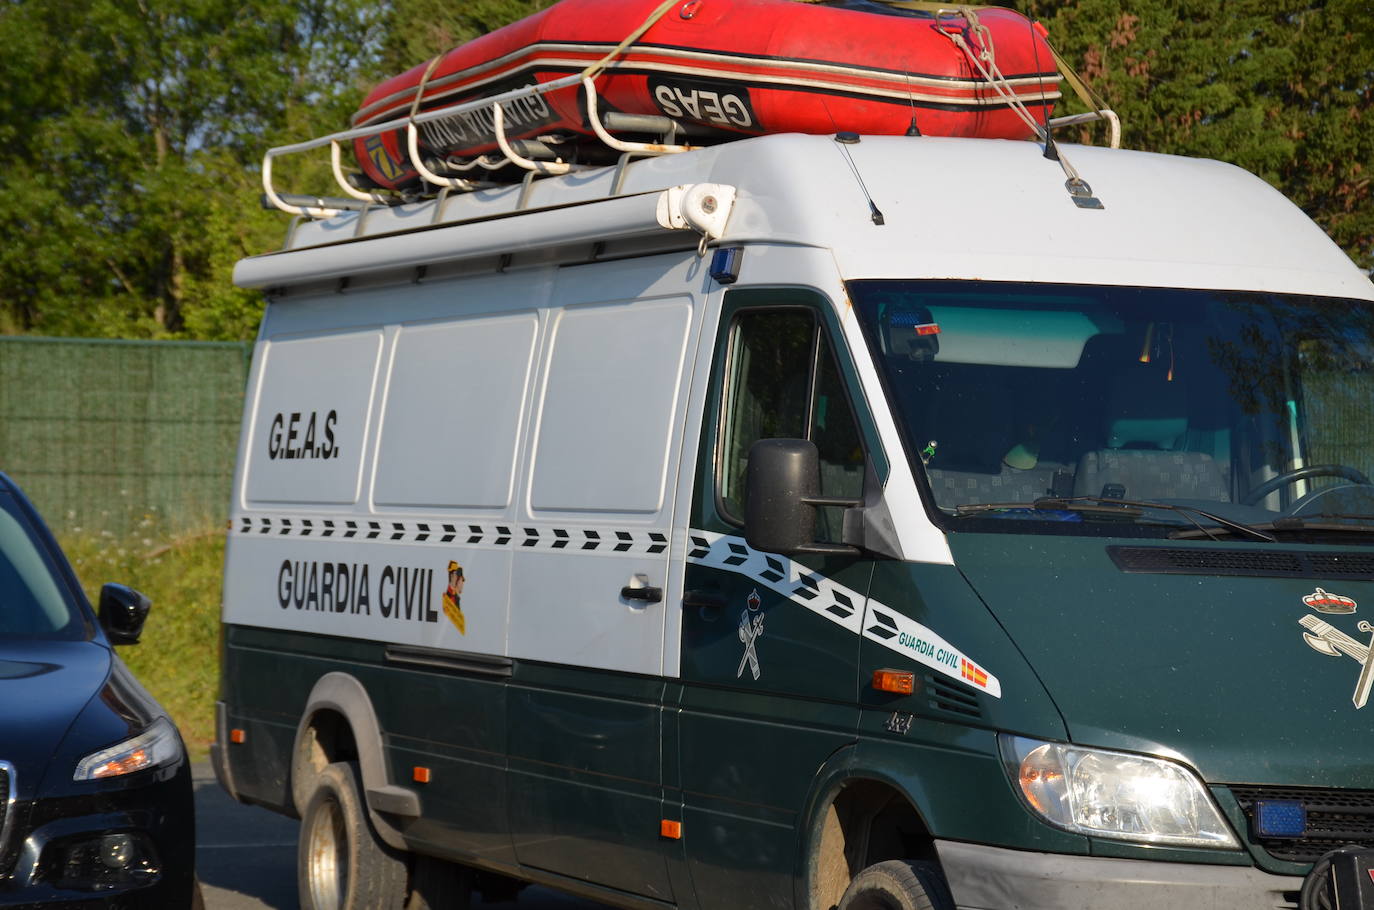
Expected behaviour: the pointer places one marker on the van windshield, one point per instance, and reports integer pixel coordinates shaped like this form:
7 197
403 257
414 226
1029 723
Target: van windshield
1028 406
34 602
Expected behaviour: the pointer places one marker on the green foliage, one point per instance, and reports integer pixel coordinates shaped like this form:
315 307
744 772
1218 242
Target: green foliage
177 659
129 137
1285 91
131 130
419 30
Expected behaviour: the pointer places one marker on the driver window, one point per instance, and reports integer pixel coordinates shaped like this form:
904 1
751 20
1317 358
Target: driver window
782 381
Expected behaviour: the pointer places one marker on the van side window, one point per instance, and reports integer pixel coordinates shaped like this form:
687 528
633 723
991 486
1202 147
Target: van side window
781 381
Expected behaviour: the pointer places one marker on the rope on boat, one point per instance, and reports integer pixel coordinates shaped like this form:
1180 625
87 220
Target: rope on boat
599 66
1080 87
591 72
986 62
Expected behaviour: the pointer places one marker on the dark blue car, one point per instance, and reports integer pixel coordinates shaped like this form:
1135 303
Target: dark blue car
95 785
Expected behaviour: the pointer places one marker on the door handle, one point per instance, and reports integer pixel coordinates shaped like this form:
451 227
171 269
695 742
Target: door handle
703 599
646 594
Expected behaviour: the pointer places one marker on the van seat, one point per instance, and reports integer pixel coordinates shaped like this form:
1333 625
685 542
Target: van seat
1150 474
953 488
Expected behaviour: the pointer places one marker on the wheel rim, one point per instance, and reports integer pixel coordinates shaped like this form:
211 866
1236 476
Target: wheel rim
327 859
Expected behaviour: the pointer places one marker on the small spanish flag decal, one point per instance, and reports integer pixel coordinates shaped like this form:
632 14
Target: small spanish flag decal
973 673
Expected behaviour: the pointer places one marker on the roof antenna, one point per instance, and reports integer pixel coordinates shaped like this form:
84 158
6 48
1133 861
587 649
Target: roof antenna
912 130
1051 150
846 139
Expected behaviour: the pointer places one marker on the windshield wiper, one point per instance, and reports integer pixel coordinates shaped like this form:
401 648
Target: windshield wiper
1300 523
1129 508
1330 515
1047 504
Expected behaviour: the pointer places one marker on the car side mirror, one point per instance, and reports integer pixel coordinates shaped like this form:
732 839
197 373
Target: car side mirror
122 613
782 490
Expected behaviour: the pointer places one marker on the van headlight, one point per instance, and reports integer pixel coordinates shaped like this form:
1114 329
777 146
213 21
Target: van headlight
158 745
1115 794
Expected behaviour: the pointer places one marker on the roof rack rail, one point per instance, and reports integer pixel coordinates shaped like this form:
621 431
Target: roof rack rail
313 207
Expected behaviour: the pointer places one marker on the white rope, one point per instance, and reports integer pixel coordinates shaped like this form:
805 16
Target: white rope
490 162
994 77
599 66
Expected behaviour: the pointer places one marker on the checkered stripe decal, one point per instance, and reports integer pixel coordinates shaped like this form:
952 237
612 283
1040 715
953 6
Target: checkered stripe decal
909 638
841 605
516 536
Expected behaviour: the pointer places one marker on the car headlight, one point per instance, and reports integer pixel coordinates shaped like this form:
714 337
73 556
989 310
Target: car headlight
1115 794
158 745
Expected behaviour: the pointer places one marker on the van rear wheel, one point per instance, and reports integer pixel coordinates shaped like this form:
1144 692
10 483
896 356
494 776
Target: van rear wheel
897 885
340 863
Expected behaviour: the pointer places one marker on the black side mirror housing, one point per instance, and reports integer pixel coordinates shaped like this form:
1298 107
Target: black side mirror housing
122 613
782 490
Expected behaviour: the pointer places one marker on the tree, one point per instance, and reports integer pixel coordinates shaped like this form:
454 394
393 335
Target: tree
129 137
131 130
1285 91
418 30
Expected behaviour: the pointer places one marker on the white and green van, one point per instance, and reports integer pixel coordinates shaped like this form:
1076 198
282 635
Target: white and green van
809 522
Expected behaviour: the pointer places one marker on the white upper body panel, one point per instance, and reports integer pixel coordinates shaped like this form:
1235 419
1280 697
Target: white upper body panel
953 208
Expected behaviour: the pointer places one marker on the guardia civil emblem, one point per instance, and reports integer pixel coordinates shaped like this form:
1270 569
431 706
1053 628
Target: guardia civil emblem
1323 637
1323 602
750 631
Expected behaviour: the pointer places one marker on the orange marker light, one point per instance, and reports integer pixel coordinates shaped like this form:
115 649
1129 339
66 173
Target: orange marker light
237 735
670 829
421 775
896 681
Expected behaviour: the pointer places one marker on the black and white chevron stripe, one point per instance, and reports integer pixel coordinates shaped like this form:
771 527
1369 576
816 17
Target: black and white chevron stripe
795 581
543 537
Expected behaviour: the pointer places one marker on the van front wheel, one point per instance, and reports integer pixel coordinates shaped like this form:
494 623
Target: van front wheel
340 863
897 885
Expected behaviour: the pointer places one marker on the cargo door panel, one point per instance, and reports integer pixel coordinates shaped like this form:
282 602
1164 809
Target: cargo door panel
588 591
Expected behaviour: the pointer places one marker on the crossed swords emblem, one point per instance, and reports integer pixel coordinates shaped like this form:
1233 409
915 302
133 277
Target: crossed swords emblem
1329 640
750 629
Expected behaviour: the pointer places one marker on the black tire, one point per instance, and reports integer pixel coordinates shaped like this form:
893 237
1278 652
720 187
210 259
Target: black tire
439 885
897 885
340 863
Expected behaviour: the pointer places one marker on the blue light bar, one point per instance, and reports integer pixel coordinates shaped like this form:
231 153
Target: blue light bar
1280 818
725 264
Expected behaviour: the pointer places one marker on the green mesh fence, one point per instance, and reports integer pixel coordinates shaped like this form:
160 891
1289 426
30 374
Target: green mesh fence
117 436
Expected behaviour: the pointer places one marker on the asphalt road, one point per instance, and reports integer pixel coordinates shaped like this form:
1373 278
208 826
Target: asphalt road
246 857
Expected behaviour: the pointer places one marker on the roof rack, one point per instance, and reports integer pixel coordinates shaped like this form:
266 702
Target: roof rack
293 205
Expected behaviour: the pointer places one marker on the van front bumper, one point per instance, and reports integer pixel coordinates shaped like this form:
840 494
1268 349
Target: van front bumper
993 878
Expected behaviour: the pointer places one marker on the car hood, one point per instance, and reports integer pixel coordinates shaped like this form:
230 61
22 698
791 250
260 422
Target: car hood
43 688
1242 676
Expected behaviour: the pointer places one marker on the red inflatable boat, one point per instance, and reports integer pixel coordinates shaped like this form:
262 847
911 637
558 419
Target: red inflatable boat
723 68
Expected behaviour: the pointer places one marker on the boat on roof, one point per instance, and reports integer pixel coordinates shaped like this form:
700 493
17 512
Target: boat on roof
719 69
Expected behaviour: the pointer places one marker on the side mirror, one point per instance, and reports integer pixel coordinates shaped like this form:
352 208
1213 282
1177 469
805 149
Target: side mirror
782 490
122 613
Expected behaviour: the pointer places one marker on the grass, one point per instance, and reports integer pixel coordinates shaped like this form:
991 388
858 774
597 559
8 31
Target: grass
177 659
